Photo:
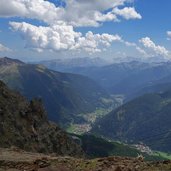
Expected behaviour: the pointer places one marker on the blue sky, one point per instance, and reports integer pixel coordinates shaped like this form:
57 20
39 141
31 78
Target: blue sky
74 28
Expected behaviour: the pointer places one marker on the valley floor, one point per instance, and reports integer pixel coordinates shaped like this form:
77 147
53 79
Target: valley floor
89 120
18 160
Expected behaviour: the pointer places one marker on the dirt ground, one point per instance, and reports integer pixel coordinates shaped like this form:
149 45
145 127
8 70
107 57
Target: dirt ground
18 160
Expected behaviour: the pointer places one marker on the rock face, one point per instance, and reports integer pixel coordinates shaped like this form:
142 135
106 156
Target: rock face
24 124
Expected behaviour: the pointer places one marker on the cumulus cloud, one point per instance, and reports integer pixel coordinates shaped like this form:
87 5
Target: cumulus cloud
4 48
34 9
131 44
58 37
62 37
141 51
59 34
95 42
153 48
127 13
75 13
91 12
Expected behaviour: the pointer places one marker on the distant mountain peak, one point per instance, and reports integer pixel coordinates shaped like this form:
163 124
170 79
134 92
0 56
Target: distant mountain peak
9 61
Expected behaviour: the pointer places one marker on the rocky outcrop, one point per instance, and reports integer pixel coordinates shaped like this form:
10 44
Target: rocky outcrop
24 124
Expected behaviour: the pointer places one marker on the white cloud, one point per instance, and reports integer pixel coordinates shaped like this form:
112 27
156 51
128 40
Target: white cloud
90 12
4 48
127 13
62 37
59 37
59 34
76 12
35 9
95 42
141 51
131 44
153 48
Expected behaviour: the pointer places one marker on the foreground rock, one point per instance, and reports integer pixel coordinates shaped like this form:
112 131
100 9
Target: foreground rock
13 160
24 124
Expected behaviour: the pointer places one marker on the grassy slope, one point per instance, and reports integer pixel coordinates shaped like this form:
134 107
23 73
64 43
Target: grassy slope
146 119
96 147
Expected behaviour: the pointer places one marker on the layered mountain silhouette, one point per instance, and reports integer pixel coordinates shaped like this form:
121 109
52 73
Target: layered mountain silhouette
69 63
131 79
64 95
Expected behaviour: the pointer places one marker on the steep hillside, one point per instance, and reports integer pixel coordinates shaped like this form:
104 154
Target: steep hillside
24 124
155 87
144 119
64 95
95 147
142 78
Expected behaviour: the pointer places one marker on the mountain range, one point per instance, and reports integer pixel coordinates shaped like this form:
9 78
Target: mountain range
24 122
64 95
69 63
130 79
24 126
67 96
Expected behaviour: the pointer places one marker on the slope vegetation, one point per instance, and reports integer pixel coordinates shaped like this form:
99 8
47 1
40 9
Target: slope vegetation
24 124
145 119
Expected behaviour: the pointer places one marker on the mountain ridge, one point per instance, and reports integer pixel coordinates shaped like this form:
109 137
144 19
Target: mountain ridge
144 119
61 93
128 77
9 61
